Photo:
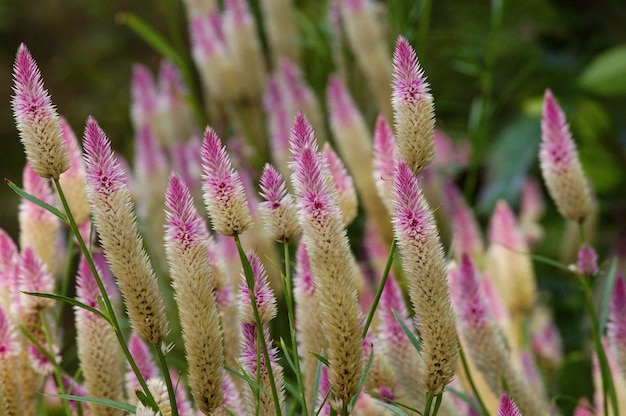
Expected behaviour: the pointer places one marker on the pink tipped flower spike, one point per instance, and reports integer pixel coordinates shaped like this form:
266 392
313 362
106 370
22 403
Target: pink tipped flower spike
9 345
587 262
465 231
34 277
278 210
413 108
507 407
37 120
346 194
560 165
143 105
147 367
224 193
263 295
616 328
275 105
384 161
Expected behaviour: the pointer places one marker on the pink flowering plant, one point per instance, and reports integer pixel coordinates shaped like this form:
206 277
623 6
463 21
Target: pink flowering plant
267 252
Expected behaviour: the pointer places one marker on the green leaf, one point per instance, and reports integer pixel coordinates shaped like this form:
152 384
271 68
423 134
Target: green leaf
321 359
151 37
605 73
415 341
71 301
36 200
467 399
97 400
392 408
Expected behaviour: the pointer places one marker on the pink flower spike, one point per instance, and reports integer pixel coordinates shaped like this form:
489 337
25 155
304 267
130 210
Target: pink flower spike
147 368
278 211
274 103
616 327
104 174
149 157
263 295
467 297
143 97
584 408
412 217
532 204
384 151
184 226
465 231
390 330
346 194
560 165
341 105
9 258
34 277
9 345
87 290
298 91
507 407
587 262
36 118
224 193
40 188
413 108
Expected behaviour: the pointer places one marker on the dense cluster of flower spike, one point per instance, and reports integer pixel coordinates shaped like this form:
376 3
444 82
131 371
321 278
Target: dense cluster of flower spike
224 303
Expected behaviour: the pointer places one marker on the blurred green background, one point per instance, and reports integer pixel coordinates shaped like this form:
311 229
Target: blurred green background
488 64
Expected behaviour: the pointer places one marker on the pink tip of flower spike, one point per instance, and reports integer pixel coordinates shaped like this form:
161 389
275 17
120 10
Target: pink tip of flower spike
384 149
34 277
587 262
390 301
412 217
104 174
466 296
409 81
263 295
9 257
73 148
617 311
558 149
9 346
184 225
87 290
141 354
143 95
40 188
304 275
149 157
503 227
340 102
272 186
507 407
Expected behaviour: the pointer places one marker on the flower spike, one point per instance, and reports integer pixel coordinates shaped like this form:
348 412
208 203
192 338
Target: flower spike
413 108
560 166
279 210
507 406
37 119
224 193
616 328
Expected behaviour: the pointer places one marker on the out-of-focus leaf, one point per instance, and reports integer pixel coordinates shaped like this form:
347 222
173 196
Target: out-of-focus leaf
512 154
605 74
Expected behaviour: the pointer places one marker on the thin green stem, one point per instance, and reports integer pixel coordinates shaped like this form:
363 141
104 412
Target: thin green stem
607 382
381 287
107 302
438 401
247 268
344 409
166 377
65 280
292 329
470 380
429 402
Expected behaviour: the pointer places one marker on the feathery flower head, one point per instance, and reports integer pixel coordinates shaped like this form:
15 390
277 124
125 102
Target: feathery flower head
390 301
73 180
532 204
40 188
149 157
424 264
36 118
467 297
560 165
279 119
143 92
304 274
507 406
34 277
346 194
342 108
9 260
384 154
584 408
298 91
587 262
327 245
184 226
278 211
176 120
111 204
87 290
147 368
9 345
224 193
263 295
413 108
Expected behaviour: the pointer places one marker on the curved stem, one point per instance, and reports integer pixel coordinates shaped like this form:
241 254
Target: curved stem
438 401
247 268
429 402
381 287
105 297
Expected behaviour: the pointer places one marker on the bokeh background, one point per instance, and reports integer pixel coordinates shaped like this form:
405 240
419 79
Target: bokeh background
488 64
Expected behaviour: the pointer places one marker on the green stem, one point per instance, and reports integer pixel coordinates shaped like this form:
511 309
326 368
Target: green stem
381 287
438 401
429 402
107 302
247 268
344 409
470 380
292 329
166 377
65 281
605 371
581 232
